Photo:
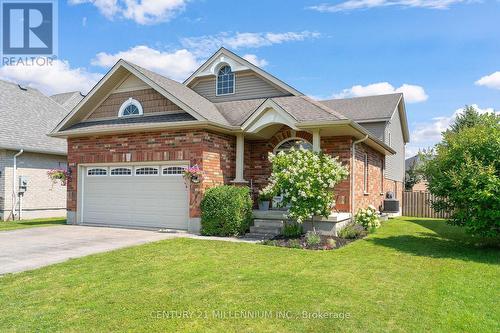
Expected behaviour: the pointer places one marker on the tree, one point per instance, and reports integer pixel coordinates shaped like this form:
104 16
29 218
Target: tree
469 117
464 173
306 180
412 176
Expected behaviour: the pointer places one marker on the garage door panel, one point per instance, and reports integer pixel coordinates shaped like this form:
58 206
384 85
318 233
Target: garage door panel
139 201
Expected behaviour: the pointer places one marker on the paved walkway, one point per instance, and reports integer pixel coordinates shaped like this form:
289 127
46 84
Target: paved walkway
27 249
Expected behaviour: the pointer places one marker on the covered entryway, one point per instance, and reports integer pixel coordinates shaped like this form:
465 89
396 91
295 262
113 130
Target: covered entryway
141 196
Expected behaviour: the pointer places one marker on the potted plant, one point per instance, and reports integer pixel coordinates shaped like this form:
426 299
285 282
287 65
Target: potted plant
265 197
193 174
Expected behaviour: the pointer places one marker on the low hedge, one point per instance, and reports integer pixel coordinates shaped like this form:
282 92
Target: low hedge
226 211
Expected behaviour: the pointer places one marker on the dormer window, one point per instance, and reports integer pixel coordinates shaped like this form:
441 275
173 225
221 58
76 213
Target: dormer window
130 107
225 81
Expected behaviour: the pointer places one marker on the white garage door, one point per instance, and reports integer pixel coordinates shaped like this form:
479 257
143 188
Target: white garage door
138 196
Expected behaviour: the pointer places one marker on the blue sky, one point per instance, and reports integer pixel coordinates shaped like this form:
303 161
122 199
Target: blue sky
442 54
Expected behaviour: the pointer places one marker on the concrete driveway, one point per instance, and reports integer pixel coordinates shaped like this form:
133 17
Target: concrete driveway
26 249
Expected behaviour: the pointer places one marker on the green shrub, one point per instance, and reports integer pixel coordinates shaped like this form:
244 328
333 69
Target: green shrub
368 218
292 230
352 231
463 173
306 181
331 243
313 238
226 211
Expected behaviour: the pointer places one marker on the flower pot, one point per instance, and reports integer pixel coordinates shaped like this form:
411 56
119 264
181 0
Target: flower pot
195 179
264 205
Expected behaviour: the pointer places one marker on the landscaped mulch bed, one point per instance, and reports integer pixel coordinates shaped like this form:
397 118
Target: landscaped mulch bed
327 242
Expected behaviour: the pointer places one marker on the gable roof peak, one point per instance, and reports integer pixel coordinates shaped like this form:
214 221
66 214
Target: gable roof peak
237 63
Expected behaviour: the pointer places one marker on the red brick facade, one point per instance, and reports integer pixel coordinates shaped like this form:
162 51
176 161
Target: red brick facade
212 152
215 153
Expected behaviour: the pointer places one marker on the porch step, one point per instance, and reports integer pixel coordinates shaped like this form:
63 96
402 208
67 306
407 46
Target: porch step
268 223
266 230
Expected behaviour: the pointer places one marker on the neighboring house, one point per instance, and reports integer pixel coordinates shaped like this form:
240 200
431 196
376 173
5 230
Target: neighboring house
131 137
26 117
421 186
68 100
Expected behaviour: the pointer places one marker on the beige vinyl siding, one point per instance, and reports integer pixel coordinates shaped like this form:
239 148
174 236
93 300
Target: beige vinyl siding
395 164
247 86
376 128
42 197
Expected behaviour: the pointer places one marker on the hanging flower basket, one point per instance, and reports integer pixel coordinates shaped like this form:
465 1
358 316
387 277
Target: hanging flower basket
193 174
58 175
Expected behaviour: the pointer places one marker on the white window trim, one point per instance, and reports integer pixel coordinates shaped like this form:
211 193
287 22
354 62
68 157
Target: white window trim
184 167
121 167
128 102
294 138
217 80
97 168
147 166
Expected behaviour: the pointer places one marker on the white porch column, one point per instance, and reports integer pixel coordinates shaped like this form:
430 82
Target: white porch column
240 158
316 140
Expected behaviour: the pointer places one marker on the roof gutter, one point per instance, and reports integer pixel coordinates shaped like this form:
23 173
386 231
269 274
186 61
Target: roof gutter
353 124
147 128
34 150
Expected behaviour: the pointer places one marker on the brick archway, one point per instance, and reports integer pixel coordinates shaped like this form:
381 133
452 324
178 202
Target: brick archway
287 133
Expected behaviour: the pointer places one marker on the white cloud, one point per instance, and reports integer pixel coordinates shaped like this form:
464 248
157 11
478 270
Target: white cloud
140 11
57 78
412 93
177 65
205 45
255 60
427 134
365 4
490 81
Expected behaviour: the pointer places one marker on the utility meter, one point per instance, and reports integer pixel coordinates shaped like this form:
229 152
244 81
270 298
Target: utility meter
23 184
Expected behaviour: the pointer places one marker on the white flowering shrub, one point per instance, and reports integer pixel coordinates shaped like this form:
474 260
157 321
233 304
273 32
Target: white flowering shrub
368 218
305 180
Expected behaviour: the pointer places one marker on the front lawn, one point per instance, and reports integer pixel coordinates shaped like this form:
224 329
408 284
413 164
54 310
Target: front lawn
23 224
413 275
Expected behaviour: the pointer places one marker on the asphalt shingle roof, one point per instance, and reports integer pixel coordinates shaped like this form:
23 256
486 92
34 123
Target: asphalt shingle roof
198 103
301 108
365 108
68 100
124 122
27 116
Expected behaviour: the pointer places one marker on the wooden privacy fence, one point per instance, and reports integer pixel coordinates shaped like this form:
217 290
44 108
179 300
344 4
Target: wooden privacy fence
418 204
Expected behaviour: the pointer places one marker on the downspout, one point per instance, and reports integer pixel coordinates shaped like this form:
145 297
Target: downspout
14 176
353 173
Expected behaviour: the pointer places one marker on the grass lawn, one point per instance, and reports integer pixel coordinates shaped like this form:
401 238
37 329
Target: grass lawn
12 225
413 275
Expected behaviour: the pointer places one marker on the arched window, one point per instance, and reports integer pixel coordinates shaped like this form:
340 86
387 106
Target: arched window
130 107
295 143
225 81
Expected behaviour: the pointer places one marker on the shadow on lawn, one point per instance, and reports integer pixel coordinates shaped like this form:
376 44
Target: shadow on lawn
444 241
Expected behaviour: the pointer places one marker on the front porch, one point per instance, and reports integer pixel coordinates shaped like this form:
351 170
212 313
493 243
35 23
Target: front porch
269 223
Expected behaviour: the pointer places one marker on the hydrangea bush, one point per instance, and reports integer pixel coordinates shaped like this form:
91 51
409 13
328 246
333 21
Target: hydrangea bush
305 180
368 218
